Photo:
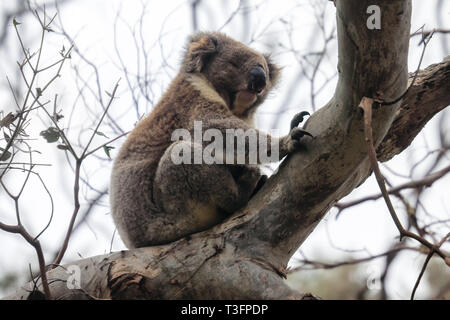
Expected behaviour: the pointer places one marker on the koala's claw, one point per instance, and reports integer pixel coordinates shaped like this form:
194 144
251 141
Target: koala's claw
297 133
292 140
298 118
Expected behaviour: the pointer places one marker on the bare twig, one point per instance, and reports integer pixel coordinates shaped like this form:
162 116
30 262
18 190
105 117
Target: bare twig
426 181
19 229
426 34
324 265
430 254
76 188
366 105
426 40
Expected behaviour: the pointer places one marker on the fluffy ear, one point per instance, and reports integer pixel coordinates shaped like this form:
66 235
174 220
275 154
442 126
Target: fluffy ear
200 49
274 70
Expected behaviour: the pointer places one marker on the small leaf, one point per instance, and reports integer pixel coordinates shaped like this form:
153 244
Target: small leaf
62 147
57 116
63 51
7 137
38 92
5 156
7 120
51 134
15 22
107 149
102 134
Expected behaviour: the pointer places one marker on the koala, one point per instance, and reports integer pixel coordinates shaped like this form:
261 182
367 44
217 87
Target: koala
221 83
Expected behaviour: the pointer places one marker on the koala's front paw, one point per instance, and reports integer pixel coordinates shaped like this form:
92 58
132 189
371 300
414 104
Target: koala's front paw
292 140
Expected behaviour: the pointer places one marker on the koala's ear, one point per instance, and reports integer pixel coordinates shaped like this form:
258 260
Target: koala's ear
274 70
200 49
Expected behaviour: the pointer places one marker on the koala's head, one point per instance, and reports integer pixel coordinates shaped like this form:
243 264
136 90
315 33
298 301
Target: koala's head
241 75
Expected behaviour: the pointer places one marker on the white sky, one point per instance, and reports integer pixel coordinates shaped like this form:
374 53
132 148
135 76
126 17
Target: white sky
91 24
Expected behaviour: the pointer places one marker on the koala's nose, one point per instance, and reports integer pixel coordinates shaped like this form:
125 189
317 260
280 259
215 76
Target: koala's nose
257 80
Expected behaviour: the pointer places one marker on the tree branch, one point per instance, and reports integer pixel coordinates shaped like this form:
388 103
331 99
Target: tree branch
429 95
286 210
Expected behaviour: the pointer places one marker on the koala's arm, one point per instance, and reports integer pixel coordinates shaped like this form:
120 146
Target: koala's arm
286 144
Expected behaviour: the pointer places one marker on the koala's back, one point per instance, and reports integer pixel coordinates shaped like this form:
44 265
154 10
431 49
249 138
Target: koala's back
131 186
138 218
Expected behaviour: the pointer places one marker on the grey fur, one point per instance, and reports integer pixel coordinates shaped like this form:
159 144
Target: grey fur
154 201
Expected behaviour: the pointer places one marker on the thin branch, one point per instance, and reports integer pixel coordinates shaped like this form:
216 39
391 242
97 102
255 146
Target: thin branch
425 34
426 40
430 254
426 181
324 265
112 96
76 187
106 143
366 105
37 246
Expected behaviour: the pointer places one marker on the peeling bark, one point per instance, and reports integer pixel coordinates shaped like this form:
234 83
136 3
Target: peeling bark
245 257
429 95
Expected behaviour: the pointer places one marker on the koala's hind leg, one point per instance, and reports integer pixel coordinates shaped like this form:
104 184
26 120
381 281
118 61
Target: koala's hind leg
249 181
198 196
